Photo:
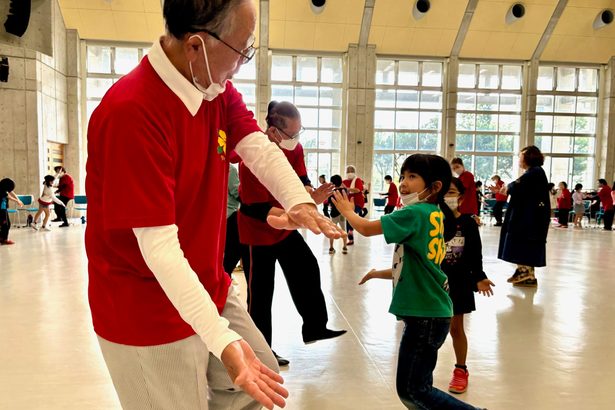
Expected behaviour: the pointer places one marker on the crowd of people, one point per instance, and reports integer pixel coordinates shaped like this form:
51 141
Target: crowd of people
57 191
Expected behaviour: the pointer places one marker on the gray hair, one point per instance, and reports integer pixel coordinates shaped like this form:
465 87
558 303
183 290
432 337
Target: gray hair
190 16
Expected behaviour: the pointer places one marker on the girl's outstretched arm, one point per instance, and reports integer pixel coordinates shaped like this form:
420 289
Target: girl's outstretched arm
346 207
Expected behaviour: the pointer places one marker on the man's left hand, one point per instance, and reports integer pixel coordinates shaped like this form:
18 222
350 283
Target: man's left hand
306 216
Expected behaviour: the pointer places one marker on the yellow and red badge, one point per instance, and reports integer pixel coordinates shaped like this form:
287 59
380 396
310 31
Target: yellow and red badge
222 144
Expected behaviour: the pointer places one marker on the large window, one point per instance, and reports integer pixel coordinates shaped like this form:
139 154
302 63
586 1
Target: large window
245 82
105 65
408 115
488 118
566 111
314 85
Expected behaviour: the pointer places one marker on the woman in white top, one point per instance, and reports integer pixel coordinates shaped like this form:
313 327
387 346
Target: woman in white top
47 198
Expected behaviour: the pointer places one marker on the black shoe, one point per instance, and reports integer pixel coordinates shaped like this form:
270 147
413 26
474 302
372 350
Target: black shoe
56 220
64 225
321 335
281 361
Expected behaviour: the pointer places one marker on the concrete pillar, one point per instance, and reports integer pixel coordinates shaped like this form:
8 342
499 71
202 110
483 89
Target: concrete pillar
449 137
75 150
263 72
360 105
528 103
606 167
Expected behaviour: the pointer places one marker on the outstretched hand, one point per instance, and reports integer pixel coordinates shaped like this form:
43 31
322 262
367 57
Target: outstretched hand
484 287
320 194
343 203
368 276
257 380
306 216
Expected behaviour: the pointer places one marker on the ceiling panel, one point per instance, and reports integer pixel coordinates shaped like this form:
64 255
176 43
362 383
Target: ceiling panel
294 26
395 31
489 36
574 38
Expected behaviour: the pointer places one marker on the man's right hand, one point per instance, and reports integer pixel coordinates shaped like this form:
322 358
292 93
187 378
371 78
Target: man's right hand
257 380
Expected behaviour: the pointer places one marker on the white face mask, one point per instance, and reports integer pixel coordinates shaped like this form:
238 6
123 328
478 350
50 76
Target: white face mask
351 175
412 198
452 202
214 89
289 145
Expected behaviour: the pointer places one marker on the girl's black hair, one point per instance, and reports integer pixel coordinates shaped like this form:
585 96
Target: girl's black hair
434 168
578 186
7 185
564 183
49 180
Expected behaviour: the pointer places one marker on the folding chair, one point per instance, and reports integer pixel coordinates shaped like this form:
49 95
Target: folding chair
80 203
488 208
28 207
379 204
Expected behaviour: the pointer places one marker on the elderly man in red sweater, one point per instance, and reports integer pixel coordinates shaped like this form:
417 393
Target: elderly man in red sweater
66 192
470 204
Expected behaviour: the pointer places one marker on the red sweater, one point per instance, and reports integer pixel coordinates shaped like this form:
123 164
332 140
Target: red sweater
564 201
393 195
66 186
605 197
470 203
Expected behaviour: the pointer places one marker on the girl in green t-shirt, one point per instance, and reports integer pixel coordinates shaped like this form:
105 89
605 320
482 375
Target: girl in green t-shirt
420 292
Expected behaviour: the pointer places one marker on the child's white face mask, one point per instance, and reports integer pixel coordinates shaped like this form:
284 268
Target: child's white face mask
452 202
412 198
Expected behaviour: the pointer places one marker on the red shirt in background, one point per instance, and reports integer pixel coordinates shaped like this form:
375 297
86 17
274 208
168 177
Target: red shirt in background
146 147
359 198
564 201
393 195
605 197
66 186
469 205
498 196
253 231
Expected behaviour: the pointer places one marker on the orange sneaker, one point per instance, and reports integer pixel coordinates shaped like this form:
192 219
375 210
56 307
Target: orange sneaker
459 382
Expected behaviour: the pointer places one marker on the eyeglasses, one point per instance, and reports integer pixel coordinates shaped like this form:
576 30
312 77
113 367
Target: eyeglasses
297 135
246 55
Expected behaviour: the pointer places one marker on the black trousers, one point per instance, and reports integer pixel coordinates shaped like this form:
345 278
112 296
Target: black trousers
61 210
498 211
5 225
233 249
562 216
608 219
349 228
302 274
389 209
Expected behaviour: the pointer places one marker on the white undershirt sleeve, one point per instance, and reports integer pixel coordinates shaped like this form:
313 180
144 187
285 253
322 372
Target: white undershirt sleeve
163 255
273 170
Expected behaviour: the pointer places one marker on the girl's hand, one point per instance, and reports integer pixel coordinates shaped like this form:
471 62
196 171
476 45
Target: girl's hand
484 287
342 203
368 276
19 203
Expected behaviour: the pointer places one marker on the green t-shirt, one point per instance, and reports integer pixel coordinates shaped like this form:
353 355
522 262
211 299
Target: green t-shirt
420 288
